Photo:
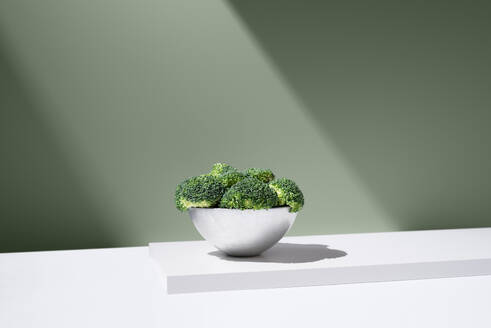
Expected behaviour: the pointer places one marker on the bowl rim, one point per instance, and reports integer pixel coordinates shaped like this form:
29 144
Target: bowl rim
238 209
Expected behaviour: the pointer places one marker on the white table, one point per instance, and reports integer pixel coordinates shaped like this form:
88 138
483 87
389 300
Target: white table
123 287
196 266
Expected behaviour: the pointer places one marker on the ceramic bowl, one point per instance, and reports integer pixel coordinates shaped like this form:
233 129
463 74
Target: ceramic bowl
242 232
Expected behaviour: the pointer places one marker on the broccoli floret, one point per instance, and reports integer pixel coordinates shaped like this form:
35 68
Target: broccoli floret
265 175
227 174
230 178
200 191
288 193
249 193
221 169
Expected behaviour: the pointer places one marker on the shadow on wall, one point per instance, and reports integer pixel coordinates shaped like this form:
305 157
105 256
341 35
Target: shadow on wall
401 88
42 204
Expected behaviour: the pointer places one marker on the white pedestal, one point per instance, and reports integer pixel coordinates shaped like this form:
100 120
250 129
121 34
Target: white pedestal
196 266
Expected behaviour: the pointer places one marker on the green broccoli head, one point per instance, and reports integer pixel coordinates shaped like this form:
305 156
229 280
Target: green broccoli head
221 168
227 174
250 193
200 191
265 175
288 193
230 178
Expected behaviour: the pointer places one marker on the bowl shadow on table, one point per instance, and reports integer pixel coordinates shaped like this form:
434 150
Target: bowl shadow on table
288 253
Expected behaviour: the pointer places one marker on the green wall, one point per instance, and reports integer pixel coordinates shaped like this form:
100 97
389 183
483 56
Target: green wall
381 112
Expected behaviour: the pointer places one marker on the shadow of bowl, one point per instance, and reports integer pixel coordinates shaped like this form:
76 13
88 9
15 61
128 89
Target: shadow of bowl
288 253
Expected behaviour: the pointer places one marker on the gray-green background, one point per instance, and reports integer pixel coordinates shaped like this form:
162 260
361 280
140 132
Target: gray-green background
380 110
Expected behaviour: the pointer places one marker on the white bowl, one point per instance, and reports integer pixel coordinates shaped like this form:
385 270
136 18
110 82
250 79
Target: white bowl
242 232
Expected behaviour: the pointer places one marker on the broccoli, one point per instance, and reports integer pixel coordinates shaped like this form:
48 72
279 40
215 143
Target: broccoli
221 169
200 191
288 193
227 174
230 178
265 175
227 187
250 193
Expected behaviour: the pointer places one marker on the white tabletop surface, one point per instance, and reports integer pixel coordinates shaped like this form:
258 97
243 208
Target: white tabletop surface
195 266
122 287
